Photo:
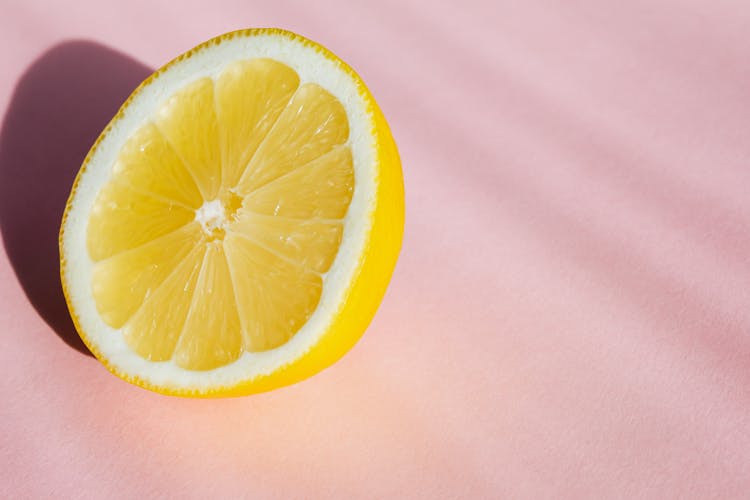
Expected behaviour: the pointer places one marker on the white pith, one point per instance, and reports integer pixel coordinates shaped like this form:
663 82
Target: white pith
311 66
211 216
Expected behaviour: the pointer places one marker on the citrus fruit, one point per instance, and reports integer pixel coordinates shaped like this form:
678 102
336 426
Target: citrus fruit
234 227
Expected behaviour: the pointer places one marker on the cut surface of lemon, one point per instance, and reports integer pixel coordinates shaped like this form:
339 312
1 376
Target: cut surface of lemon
234 227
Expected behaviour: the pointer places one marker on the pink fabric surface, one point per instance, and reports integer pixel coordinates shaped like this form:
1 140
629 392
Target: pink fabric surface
570 316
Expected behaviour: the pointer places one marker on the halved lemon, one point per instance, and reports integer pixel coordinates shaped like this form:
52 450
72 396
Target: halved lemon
234 227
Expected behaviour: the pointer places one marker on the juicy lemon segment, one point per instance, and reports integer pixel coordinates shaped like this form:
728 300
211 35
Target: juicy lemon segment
312 123
278 295
321 189
188 122
310 243
222 214
250 96
170 182
212 335
122 282
153 331
119 209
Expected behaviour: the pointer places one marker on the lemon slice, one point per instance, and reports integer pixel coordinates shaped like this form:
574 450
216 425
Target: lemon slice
234 227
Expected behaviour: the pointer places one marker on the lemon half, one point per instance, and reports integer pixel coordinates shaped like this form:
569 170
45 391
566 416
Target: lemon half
234 227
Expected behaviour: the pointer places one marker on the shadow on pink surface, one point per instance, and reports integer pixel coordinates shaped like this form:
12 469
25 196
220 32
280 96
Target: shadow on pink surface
57 110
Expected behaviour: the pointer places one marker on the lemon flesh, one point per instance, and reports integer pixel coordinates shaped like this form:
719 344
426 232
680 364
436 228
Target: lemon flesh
222 216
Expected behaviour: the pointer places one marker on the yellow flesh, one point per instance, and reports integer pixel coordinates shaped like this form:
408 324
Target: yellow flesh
222 215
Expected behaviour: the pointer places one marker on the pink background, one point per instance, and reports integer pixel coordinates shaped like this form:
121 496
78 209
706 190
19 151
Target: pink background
570 316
